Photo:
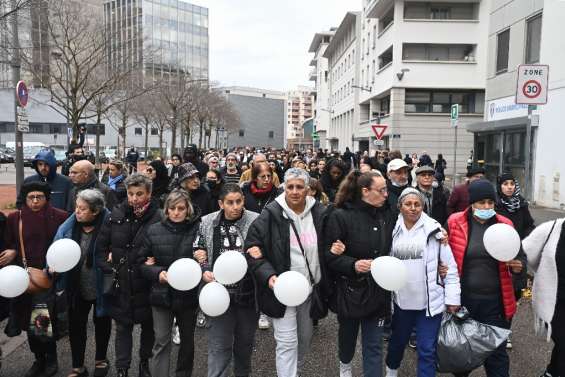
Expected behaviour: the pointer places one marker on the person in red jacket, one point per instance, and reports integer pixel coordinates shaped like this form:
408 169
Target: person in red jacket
459 198
486 284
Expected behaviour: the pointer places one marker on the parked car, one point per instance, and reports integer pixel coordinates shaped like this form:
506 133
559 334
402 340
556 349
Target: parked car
7 155
60 156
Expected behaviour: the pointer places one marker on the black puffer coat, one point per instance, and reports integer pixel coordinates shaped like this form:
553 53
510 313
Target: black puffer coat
271 233
256 203
366 232
166 242
202 198
122 235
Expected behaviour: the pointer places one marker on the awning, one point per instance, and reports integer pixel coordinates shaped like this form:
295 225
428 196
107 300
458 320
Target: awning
498 125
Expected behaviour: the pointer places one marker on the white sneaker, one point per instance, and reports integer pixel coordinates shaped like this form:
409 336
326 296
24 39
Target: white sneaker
176 335
345 370
263 322
391 372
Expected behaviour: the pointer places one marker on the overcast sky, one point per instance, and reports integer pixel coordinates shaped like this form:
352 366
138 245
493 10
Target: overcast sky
264 43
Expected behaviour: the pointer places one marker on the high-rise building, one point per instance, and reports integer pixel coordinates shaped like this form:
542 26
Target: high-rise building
319 74
299 109
164 37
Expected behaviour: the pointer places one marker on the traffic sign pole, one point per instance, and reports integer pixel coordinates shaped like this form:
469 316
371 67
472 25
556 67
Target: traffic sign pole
454 118
529 178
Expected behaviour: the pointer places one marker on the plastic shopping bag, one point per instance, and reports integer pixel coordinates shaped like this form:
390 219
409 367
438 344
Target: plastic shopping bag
464 344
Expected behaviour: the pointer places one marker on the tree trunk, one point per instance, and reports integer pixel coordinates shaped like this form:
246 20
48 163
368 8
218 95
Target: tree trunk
146 138
161 145
201 131
174 133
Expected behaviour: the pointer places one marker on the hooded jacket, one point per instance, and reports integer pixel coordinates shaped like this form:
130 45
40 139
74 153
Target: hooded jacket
271 233
61 186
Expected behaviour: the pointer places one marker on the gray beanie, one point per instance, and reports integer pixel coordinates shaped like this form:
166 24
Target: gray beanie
410 191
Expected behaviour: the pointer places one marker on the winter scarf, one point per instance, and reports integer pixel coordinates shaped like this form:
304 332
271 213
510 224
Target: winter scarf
256 191
113 182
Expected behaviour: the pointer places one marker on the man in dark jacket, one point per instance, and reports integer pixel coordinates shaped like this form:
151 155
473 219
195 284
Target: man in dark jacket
274 247
459 198
199 193
131 158
397 171
83 177
75 153
117 250
435 198
45 165
191 155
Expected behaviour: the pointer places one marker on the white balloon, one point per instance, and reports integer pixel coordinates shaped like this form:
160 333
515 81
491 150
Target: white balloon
389 272
63 255
230 267
502 242
14 281
214 299
184 274
291 288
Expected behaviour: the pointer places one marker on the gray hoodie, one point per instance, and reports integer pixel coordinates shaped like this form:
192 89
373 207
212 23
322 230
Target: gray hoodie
305 226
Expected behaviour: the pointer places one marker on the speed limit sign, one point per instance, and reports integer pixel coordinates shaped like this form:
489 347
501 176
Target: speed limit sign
531 88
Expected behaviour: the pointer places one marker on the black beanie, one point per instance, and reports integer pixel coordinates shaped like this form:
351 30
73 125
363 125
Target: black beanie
481 189
36 186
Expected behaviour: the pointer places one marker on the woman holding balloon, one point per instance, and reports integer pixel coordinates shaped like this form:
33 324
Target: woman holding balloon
286 241
360 230
29 232
84 283
233 332
426 295
164 243
485 272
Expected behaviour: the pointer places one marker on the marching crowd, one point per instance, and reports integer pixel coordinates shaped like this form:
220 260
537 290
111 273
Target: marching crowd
324 215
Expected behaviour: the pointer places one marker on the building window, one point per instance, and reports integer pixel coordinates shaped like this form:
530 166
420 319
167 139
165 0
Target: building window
385 58
271 134
438 52
384 105
502 46
138 131
533 39
374 36
440 13
386 20
241 133
427 101
447 11
154 131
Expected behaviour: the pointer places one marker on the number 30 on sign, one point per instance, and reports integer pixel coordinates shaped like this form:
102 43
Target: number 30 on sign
531 88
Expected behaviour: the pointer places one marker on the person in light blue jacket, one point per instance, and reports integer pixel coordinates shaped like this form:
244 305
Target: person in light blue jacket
432 287
84 283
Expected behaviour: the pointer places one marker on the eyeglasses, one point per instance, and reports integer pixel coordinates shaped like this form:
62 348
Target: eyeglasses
381 191
39 198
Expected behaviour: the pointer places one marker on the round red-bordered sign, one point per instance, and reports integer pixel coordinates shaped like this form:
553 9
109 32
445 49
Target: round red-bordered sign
532 93
22 93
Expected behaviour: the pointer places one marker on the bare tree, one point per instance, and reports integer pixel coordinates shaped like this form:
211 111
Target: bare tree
9 7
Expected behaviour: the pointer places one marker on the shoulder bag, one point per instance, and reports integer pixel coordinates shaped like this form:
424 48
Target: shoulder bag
319 303
38 279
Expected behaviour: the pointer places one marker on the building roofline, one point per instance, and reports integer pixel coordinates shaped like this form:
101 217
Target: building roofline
317 40
350 17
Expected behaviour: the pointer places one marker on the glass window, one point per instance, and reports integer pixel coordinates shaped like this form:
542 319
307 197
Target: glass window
502 46
417 102
514 148
241 133
154 131
271 134
138 131
441 103
533 39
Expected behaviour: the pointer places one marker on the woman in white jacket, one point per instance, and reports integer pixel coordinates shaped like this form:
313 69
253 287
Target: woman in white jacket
545 249
422 301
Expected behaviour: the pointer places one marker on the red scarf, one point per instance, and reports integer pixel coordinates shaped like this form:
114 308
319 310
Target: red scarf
139 211
256 191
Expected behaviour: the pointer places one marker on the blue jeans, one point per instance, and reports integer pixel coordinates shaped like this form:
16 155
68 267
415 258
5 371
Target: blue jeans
427 328
491 312
371 341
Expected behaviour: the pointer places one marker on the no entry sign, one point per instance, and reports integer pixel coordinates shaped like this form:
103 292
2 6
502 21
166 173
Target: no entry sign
531 88
22 93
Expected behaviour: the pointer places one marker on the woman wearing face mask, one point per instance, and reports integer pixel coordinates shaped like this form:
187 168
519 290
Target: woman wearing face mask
215 183
165 242
486 284
261 190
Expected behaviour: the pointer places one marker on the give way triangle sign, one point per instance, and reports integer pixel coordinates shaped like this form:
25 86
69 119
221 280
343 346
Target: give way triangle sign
379 130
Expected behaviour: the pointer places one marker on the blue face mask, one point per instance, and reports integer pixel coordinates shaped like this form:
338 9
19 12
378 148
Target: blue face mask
484 214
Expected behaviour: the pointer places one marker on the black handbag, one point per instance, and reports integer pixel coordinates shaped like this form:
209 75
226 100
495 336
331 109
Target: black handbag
318 300
358 299
58 305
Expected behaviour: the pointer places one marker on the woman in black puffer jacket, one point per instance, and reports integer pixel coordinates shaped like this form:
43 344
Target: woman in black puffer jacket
117 249
362 225
164 243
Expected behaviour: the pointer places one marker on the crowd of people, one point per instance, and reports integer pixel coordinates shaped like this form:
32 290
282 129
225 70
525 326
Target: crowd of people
324 215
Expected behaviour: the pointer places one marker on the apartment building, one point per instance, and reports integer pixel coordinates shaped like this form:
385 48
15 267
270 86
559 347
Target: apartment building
524 32
320 75
416 59
343 55
299 109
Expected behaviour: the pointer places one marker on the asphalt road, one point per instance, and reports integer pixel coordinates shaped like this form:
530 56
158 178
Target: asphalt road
528 358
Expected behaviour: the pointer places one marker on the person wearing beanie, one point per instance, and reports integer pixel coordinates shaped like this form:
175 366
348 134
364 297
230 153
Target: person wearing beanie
420 304
39 223
459 198
486 284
